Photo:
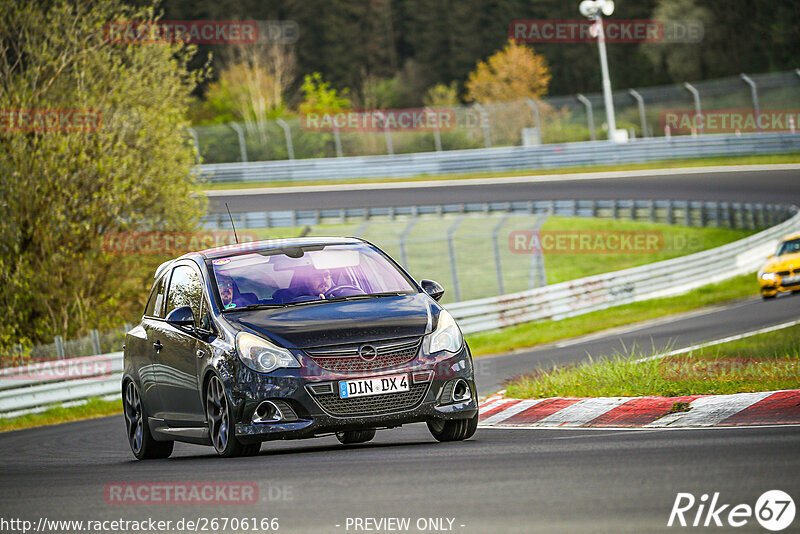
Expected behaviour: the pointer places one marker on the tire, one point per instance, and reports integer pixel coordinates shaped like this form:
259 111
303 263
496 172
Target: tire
142 443
220 423
454 430
355 436
768 297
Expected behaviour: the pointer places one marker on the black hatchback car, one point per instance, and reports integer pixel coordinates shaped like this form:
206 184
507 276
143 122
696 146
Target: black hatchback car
289 339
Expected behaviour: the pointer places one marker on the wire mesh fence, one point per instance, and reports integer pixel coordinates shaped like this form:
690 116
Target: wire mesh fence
558 119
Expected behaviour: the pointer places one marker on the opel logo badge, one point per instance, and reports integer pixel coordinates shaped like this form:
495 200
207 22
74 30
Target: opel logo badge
367 353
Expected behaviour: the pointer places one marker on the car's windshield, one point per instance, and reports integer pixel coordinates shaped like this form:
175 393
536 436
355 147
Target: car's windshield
792 246
305 274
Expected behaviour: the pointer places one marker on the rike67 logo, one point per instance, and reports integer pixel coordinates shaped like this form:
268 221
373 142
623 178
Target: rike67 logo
774 510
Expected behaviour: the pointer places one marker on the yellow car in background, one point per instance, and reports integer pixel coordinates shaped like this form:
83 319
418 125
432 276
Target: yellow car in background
782 272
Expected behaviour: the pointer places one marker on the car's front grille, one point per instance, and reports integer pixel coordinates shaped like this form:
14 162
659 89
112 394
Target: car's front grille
374 404
345 358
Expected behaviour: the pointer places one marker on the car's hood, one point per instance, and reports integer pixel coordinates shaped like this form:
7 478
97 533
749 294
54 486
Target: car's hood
785 262
333 323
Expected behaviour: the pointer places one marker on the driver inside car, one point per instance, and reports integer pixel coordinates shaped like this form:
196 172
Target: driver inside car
321 282
227 289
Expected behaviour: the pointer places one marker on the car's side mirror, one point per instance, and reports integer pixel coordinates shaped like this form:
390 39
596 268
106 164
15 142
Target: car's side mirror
181 316
434 289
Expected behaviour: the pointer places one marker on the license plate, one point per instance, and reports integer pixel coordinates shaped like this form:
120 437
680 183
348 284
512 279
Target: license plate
372 386
790 280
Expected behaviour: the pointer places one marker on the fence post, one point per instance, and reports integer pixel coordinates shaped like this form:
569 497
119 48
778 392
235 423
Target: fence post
361 229
453 267
589 115
337 139
487 135
59 347
437 136
640 102
537 258
403 237
535 107
95 341
386 133
697 110
671 212
495 234
754 95
287 132
240 134
688 214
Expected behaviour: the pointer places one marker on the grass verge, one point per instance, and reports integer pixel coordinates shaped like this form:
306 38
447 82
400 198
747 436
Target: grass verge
766 362
538 332
57 414
665 164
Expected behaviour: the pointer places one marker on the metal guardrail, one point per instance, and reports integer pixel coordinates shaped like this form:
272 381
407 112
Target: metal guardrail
33 387
503 159
557 301
688 213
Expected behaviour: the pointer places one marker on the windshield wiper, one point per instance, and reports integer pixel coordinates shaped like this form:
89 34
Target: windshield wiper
360 296
367 296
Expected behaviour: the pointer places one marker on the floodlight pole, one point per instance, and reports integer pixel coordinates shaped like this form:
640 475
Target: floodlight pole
609 101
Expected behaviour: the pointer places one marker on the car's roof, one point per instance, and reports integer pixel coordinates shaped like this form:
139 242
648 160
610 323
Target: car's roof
791 236
270 244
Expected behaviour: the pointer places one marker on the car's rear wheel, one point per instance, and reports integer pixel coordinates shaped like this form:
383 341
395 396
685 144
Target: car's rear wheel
768 297
453 430
220 423
355 436
142 443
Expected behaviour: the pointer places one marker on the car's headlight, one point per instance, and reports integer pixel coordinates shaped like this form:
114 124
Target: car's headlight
260 355
769 277
447 335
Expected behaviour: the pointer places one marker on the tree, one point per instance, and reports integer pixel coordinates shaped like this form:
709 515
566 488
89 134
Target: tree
513 73
63 189
683 61
319 96
442 95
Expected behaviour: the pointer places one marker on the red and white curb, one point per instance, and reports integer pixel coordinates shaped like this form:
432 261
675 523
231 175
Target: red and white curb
739 409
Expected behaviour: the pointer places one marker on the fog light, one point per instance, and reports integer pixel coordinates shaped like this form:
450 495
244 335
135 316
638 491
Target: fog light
461 391
267 412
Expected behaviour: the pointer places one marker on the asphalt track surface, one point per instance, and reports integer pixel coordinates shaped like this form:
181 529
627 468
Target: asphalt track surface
528 480
771 186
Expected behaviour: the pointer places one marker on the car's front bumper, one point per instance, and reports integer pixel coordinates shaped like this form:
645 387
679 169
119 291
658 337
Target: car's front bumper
315 417
773 287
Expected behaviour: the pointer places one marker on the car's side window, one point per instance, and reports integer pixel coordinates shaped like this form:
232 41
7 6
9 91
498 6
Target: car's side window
155 305
185 289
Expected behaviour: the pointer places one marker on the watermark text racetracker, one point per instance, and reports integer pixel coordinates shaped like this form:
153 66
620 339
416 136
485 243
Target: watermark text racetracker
615 31
679 121
50 120
170 242
598 242
378 120
234 32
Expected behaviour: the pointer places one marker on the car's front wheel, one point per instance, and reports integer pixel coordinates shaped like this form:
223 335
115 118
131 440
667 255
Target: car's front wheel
355 436
142 443
453 430
220 423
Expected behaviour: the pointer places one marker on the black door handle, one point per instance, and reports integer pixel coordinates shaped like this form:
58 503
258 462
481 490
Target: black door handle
158 346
